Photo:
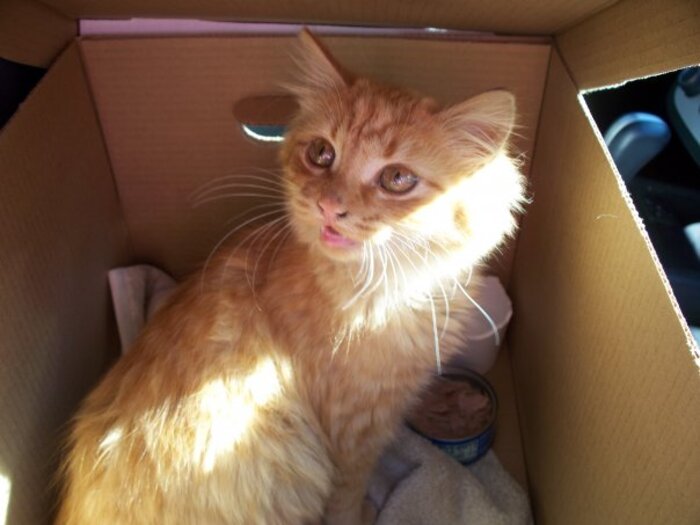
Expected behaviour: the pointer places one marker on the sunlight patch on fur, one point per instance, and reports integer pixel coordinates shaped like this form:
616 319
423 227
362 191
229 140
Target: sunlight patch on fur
382 236
231 406
111 438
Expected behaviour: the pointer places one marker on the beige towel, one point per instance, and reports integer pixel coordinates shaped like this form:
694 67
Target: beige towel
414 483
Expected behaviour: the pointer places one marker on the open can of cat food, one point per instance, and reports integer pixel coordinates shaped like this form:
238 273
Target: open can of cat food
457 413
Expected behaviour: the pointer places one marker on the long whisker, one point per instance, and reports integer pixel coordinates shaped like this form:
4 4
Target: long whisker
428 252
392 262
445 300
226 237
489 319
383 259
368 281
436 339
276 206
379 280
410 247
249 185
200 202
237 176
363 266
400 267
267 244
481 310
259 234
469 278
405 255
433 312
281 242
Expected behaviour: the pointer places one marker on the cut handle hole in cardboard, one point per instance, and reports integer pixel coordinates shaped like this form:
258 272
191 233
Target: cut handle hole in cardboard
263 118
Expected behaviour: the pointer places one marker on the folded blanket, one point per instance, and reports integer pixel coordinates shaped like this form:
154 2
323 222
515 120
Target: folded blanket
430 488
414 482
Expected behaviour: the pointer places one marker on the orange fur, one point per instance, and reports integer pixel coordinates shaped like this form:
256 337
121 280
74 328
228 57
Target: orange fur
267 398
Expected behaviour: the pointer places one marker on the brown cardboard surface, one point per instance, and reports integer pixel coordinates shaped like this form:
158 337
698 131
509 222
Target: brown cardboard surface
632 39
32 33
166 107
508 441
532 17
60 231
265 110
609 395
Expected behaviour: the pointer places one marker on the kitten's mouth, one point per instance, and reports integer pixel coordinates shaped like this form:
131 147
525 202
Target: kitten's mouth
332 237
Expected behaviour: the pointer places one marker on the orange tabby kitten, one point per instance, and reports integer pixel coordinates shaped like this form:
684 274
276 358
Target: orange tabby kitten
267 398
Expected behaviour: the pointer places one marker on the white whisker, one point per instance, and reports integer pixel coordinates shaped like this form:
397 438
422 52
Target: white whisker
238 176
411 247
428 251
259 234
483 312
276 206
200 202
267 244
368 281
379 280
436 340
384 278
392 262
363 266
281 242
227 236
248 185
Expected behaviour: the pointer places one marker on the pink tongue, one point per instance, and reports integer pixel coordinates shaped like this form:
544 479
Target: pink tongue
333 238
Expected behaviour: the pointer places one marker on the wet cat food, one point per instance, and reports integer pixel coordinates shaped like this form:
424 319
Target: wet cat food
457 413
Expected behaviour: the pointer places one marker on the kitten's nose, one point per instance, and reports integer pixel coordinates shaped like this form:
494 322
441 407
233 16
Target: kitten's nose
332 208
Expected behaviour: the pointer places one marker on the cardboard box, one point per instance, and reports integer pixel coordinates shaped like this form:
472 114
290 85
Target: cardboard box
599 376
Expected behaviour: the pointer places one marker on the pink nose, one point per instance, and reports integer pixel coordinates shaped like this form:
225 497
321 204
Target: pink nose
332 208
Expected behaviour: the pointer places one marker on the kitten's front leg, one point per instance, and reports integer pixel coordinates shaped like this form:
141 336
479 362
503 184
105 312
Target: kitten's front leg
348 504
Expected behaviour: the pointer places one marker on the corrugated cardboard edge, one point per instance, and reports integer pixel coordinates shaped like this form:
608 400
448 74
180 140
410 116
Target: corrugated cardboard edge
692 345
61 230
33 33
608 394
632 39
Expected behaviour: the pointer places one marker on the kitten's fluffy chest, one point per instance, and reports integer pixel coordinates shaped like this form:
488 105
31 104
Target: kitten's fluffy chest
373 341
319 311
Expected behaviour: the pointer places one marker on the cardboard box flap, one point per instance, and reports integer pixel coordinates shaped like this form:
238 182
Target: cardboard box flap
60 231
532 17
32 33
608 391
632 39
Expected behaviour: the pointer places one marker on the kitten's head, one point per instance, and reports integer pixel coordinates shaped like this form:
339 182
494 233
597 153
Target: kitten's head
367 164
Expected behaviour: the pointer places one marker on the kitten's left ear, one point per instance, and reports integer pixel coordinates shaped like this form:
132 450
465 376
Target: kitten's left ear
485 121
318 68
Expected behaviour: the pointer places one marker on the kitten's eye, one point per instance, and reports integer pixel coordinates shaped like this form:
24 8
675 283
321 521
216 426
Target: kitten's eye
397 179
320 153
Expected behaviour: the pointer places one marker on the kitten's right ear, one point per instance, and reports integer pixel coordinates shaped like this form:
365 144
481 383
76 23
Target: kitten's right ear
484 122
318 70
